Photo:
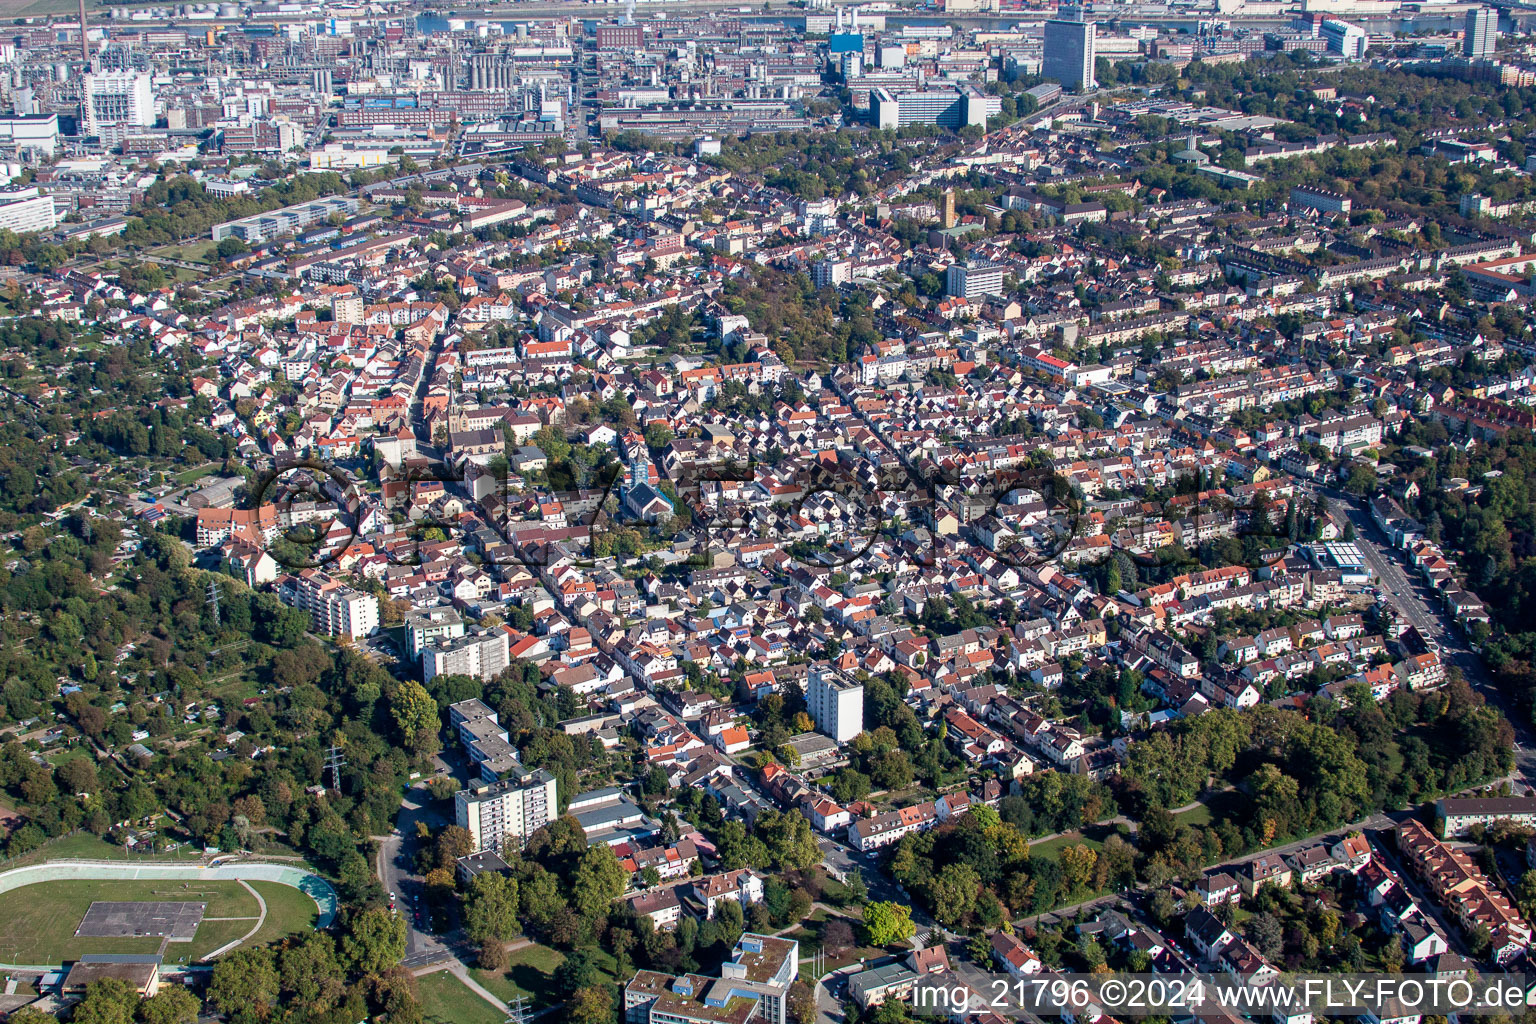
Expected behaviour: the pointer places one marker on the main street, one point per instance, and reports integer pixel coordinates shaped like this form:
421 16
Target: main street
1417 604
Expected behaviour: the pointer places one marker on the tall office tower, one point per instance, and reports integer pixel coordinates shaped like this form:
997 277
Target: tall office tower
1482 36
1069 53
117 98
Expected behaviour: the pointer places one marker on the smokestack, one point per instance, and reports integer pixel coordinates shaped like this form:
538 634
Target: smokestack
85 47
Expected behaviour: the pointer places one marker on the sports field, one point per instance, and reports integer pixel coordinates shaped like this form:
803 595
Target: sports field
38 923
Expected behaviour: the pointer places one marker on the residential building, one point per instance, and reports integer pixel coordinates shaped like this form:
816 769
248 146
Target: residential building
1320 200
1460 814
877 984
830 273
501 815
662 906
836 703
484 655
334 608
975 280
743 886
1462 889
1345 39
429 626
880 830
264 227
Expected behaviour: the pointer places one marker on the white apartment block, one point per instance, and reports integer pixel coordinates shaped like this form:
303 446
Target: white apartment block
868 834
484 740
836 703
483 655
430 626
1460 814
830 273
335 609
501 815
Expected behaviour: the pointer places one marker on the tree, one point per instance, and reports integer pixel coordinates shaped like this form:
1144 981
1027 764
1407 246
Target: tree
789 840
577 971
802 1003
230 247
849 785
887 923
108 1001
490 908
414 711
173 1004
953 893
838 936
656 780
590 1005
453 842
599 880
31 1015
1265 932
310 969
493 956
375 940
244 983
892 770
658 435
1361 481
1077 864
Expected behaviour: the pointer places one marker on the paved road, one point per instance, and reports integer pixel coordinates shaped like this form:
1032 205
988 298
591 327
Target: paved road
396 867
842 860
1384 848
1418 606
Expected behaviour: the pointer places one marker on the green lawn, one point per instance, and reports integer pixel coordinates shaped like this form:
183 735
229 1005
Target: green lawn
71 752
447 1000
85 846
529 974
833 963
1051 848
809 937
198 251
288 911
235 687
38 922
1198 816
196 474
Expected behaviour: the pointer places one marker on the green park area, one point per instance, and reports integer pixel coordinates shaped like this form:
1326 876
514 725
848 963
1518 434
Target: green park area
531 972
445 999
